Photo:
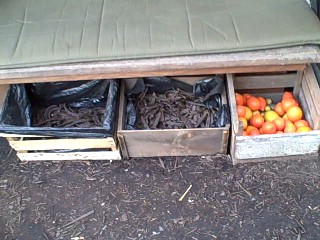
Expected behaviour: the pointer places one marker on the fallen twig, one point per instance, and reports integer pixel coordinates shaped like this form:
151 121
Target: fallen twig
185 193
245 190
79 218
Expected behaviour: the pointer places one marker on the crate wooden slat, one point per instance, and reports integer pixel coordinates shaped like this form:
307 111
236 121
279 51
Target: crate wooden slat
72 156
278 146
60 144
170 142
48 149
279 59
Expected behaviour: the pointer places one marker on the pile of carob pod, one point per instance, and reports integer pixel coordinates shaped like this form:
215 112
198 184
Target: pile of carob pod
175 109
58 116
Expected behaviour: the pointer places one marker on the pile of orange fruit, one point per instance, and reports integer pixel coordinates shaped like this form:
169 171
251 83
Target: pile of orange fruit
260 116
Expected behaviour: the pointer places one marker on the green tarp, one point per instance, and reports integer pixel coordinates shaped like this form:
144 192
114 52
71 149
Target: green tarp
43 32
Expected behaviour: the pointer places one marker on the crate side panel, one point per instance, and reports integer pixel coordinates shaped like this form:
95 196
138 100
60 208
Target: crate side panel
268 146
176 143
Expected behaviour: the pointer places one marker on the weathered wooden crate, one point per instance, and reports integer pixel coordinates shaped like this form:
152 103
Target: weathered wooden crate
170 142
278 146
45 148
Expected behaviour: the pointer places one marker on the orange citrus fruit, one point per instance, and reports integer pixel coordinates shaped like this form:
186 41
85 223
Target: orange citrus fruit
239 99
263 103
245 98
304 129
241 110
253 103
280 123
248 114
278 109
244 122
257 121
254 132
287 103
289 127
294 113
287 95
301 123
269 128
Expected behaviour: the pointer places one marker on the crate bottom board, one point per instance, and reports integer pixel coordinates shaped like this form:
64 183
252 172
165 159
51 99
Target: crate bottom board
39 149
277 146
72 156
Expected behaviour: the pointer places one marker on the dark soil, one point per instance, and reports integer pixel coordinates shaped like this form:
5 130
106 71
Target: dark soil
139 199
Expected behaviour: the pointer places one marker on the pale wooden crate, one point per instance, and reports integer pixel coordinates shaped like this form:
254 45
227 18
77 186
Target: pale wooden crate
170 142
45 148
39 148
278 146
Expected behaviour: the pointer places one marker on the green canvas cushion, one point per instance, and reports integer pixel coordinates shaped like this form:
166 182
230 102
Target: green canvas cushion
45 32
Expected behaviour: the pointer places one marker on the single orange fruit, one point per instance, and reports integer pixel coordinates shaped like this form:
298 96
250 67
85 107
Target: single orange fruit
244 122
245 98
301 123
253 103
278 109
287 103
280 123
248 114
249 128
257 121
288 95
263 103
256 113
254 132
304 129
269 128
241 110
289 127
294 113
239 99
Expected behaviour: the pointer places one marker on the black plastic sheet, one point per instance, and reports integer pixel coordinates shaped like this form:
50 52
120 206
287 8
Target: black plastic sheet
210 89
16 114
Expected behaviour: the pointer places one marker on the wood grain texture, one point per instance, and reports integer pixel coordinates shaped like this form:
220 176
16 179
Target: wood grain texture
59 144
158 71
279 145
176 142
232 103
312 108
281 59
74 156
3 94
265 81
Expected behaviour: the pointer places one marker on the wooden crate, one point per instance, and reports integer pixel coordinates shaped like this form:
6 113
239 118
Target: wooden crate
43 148
29 148
278 146
169 142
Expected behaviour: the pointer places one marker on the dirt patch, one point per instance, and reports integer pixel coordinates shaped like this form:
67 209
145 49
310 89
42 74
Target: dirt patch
139 199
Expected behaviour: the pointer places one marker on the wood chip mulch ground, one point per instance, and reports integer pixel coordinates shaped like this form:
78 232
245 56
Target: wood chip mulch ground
140 199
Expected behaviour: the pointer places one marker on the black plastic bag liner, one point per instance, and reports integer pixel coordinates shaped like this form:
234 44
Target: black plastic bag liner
16 114
210 89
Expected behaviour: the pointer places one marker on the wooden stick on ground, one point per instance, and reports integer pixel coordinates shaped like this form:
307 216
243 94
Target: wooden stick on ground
79 218
185 193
